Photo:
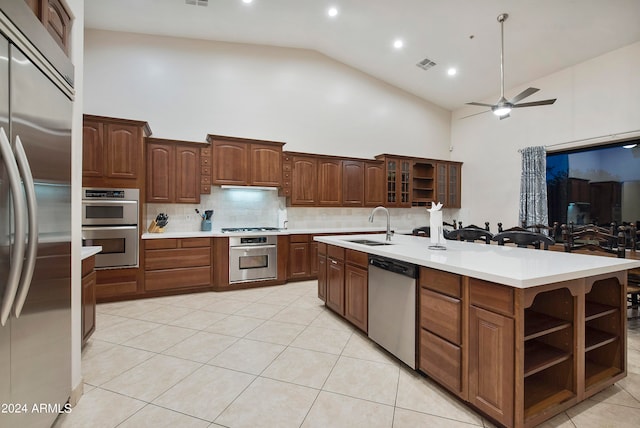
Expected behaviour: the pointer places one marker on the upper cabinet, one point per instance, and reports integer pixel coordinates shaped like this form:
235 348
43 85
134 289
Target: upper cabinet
329 182
352 183
113 152
173 171
449 184
398 180
245 162
304 180
374 183
56 18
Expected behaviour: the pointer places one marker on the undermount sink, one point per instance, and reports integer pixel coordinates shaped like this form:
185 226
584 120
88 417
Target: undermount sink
369 242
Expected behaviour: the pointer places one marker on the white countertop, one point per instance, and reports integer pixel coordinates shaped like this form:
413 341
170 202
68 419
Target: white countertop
517 267
90 251
218 232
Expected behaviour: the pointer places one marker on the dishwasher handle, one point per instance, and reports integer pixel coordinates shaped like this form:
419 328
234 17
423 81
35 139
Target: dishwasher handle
395 266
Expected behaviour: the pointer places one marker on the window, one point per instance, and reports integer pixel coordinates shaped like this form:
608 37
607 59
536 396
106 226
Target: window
595 185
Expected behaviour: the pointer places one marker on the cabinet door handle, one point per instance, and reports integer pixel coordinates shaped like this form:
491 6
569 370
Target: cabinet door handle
334 262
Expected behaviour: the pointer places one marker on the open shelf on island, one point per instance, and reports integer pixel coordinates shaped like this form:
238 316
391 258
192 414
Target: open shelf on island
595 373
538 324
539 356
541 394
595 338
593 310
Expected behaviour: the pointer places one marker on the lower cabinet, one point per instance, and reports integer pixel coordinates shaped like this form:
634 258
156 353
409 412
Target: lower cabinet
88 298
303 257
172 264
522 355
343 283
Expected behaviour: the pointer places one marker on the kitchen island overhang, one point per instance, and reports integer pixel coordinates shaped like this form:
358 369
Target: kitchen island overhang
519 334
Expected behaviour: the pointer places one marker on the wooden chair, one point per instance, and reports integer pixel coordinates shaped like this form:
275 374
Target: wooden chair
594 239
524 238
424 231
536 228
469 234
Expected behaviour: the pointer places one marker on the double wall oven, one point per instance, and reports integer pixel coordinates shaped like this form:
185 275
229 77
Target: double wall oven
110 220
253 257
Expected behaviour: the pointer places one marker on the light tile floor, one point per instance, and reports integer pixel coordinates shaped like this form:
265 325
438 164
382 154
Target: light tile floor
275 357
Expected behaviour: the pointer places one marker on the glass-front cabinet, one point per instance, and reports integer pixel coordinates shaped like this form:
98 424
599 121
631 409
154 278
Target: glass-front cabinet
398 181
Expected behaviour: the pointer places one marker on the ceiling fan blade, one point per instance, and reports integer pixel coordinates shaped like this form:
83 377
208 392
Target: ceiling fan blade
524 94
480 104
535 103
475 114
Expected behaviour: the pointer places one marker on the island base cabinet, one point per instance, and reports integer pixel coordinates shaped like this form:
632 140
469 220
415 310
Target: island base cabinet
356 296
491 364
322 277
335 285
441 360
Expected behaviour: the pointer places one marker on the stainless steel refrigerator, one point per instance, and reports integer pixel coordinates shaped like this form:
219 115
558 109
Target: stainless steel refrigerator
35 221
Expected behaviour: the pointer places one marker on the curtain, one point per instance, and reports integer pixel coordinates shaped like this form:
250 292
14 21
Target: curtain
533 186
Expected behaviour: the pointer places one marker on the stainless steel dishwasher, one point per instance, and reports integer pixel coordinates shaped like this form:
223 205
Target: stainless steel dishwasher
392 307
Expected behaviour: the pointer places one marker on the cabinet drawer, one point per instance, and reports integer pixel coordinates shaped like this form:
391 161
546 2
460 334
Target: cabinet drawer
205 169
205 179
335 252
299 238
205 189
205 161
441 360
179 258
441 315
443 282
286 166
286 175
494 297
322 248
205 151
177 278
358 258
160 244
195 242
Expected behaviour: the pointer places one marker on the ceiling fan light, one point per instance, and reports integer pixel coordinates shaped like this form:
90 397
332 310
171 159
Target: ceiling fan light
501 110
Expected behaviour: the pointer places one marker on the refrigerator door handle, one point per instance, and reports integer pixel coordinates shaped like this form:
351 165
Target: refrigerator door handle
32 211
17 255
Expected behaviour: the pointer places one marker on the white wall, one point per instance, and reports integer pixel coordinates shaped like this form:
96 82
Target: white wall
596 98
187 89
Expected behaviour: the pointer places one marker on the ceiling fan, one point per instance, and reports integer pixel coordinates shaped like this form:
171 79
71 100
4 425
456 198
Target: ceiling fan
503 107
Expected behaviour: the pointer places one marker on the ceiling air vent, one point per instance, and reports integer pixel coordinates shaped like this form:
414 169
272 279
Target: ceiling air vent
426 64
197 2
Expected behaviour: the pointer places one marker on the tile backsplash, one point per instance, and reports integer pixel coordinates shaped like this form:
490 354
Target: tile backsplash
248 207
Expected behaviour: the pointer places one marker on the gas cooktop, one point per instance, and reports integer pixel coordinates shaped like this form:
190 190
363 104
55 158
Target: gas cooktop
250 229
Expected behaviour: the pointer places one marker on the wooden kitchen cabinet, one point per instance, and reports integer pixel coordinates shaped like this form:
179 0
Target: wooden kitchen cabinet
398 181
374 184
88 298
356 289
113 152
303 258
56 18
448 184
441 321
423 183
329 182
177 264
353 183
245 162
173 171
335 279
322 271
304 181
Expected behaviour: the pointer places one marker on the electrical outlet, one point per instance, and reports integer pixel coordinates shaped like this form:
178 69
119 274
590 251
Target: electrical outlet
188 217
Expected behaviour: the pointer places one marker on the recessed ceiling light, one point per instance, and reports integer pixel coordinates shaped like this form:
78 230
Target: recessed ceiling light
398 44
332 12
247 1
452 71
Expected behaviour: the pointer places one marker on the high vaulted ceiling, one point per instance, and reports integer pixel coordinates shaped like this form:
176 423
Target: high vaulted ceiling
541 36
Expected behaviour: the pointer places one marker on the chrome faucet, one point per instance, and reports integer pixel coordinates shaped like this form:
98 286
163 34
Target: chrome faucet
386 211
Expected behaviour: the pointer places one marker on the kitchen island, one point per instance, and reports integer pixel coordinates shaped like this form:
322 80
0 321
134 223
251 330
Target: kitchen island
519 334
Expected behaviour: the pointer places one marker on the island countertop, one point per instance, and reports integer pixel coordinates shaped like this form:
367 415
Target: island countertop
512 266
